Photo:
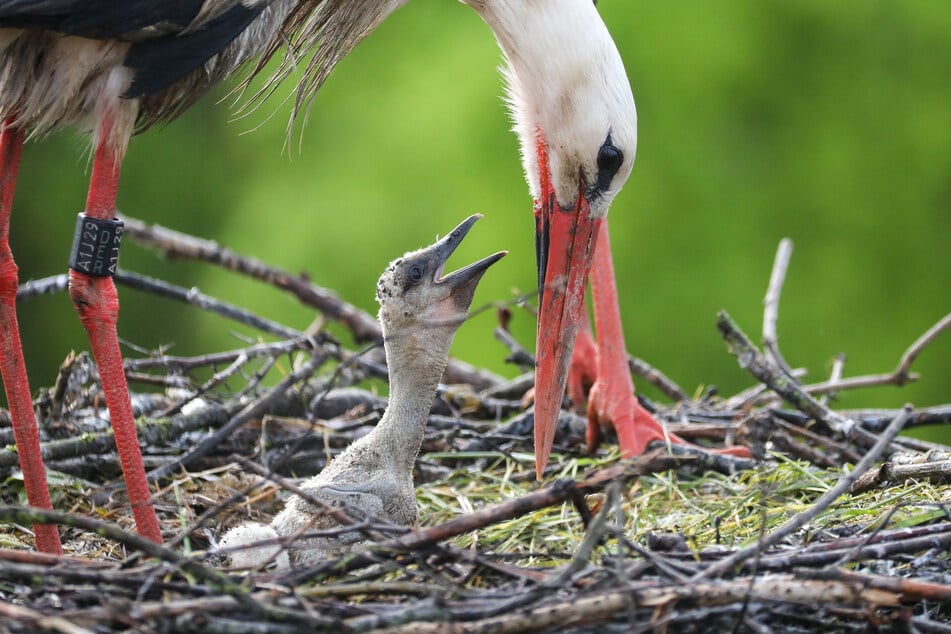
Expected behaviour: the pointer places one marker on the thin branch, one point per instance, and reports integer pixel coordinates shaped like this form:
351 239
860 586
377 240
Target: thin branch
751 360
771 304
938 472
196 298
901 372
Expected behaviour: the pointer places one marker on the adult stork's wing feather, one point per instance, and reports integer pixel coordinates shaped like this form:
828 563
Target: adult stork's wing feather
103 19
160 62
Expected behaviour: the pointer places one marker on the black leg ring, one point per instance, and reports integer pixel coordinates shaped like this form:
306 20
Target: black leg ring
96 246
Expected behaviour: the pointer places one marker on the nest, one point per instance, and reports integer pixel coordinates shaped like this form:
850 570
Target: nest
835 524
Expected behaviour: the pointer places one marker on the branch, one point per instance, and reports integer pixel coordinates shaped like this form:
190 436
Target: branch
888 473
751 360
771 304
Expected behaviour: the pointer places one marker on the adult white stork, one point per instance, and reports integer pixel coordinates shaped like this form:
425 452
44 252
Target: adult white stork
115 68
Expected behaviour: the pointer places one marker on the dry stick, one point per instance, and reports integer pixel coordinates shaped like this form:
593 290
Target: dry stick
656 378
909 589
939 472
900 374
59 283
273 349
876 419
771 304
520 356
751 360
877 549
838 365
800 519
205 302
556 493
363 326
177 244
879 545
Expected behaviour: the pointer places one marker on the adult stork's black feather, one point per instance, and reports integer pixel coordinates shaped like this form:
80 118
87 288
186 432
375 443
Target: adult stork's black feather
160 62
128 20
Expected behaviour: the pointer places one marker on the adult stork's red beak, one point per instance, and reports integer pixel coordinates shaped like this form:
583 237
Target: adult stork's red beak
565 240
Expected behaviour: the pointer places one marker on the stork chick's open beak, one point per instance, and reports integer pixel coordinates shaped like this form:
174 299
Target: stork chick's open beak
564 244
461 283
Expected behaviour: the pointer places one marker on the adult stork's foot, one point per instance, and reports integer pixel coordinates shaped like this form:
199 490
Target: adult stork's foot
610 400
613 405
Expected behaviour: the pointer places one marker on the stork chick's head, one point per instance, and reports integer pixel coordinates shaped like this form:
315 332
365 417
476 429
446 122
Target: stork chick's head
574 114
417 299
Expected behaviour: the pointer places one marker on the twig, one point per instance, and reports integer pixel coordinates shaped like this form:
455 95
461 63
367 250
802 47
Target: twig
841 589
148 431
876 549
797 521
835 375
900 375
59 283
198 299
276 348
657 378
937 472
751 360
771 304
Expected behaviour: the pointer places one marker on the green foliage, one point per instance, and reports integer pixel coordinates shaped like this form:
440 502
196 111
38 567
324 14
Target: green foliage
827 123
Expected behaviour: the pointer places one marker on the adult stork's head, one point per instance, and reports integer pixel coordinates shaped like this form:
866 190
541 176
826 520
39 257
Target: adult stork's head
574 113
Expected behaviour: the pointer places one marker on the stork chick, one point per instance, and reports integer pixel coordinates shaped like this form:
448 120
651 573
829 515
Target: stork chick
420 311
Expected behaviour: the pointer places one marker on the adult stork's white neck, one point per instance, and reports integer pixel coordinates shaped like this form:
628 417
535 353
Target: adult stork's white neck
574 113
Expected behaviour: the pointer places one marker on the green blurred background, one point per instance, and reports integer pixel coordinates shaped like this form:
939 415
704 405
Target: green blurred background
829 123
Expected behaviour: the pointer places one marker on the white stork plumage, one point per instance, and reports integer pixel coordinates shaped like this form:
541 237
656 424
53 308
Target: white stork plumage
115 68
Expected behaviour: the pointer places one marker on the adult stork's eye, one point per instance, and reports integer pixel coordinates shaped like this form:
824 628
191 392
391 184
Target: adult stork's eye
609 159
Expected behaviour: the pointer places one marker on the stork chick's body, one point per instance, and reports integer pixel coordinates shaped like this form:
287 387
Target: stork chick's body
420 311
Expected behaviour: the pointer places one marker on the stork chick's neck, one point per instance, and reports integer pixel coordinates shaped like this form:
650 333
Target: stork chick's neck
416 363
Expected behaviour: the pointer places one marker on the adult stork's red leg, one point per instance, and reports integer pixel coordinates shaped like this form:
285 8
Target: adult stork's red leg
12 366
611 401
97 303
